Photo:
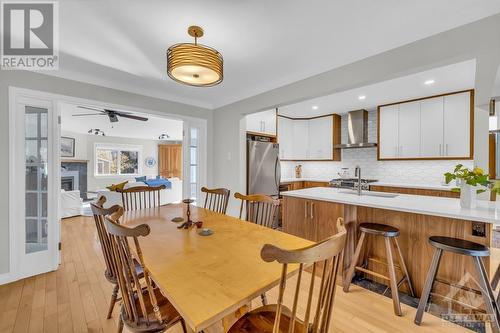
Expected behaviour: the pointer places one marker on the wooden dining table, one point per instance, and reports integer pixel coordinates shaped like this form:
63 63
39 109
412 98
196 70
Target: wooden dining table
207 278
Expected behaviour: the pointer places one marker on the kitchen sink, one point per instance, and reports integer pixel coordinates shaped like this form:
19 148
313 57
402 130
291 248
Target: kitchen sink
370 194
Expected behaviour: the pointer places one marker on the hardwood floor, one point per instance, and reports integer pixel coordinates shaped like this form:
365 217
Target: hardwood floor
75 298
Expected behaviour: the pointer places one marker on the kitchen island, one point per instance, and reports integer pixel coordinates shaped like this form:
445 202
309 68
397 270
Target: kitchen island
311 213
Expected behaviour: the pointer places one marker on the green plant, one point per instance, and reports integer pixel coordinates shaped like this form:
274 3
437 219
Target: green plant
474 177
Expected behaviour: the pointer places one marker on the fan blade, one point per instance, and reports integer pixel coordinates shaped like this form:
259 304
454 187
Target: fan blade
117 112
133 117
89 108
89 114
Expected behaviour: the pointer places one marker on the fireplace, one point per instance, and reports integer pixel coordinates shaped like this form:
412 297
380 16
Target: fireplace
69 180
74 176
68 183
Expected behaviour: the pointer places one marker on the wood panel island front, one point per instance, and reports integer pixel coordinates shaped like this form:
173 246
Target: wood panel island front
311 214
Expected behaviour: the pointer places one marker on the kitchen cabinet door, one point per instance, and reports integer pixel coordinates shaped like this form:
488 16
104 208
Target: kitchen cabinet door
388 131
409 130
300 139
321 138
324 215
262 122
297 218
431 127
457 125
285 138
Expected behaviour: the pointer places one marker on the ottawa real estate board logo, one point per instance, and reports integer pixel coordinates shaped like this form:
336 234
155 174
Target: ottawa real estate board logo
30 35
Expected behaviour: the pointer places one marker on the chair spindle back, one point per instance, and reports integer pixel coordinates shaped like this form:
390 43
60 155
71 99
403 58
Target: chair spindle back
141 197
260 209
100 214
126 248
216 199
326 255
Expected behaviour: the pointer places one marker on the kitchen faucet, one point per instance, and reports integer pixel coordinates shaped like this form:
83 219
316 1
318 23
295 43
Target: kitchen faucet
357 173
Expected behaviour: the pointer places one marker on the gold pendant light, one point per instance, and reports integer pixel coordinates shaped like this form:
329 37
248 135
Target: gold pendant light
195 64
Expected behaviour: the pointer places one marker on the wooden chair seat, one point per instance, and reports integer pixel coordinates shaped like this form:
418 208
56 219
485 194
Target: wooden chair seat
261 320
379 229
169 314
460 246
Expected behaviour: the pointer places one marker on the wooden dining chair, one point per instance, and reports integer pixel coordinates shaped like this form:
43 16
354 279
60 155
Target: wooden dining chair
216 199
259 208
141 197
110 272
277 318
144 308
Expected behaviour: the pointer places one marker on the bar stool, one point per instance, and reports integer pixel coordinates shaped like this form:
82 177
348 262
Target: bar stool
467 248
389 233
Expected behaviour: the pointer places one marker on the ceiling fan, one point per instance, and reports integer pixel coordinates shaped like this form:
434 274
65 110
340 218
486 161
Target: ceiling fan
112 114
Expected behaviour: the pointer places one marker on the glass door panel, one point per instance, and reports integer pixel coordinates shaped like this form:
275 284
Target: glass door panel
36 176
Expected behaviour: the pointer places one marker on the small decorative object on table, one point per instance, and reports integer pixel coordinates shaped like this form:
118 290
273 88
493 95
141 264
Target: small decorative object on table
189 223
470 182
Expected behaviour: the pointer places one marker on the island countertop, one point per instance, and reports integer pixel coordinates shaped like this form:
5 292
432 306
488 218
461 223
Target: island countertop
486 211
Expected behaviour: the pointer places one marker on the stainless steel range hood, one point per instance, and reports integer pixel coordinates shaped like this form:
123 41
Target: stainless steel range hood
357 130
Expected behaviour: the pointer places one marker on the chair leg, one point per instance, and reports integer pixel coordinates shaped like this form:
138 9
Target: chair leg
392 277
403 267
183 324
114 296
120 324
496 278
488 296
354 262
429 281
263 298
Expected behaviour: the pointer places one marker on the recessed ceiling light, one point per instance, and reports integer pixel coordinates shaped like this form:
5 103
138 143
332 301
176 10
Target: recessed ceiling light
315 107
429 82
361 97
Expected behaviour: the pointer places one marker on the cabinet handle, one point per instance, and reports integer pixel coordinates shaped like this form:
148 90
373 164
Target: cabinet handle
312 210
305 210
446 149
440 154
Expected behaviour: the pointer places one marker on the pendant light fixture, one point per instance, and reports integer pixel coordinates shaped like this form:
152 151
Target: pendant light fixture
195 64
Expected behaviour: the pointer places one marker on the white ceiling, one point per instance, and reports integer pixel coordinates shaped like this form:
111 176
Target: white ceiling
125 128
265 44
450 78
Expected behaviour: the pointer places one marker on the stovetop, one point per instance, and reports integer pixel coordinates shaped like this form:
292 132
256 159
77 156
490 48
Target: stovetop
353 180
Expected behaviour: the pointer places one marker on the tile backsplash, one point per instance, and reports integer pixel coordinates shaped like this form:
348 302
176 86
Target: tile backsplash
417 172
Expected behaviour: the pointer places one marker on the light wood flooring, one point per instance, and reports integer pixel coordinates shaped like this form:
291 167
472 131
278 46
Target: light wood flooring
75 298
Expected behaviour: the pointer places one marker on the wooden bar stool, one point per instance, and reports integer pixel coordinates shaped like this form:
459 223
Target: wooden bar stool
389 233
467 248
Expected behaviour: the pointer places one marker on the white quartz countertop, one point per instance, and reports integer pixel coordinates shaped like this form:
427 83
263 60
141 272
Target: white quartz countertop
428 186
486 211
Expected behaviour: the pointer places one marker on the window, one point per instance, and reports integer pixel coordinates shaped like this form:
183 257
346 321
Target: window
193 162
117 160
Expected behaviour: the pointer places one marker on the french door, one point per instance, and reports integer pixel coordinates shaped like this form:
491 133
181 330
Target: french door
34 187
195 160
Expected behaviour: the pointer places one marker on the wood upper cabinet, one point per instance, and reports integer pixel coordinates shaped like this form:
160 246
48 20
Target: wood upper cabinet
262 122
309 139
170 160
310 219
439 127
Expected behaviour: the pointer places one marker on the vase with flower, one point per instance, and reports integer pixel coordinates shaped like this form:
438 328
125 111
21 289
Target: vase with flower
470 182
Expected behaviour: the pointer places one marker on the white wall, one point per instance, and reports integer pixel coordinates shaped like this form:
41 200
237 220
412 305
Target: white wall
84 150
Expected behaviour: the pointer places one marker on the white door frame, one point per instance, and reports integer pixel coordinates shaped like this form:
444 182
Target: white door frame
56 99
22 264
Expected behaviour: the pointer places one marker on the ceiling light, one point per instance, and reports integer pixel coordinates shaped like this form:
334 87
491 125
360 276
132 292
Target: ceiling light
361 97
429 82
164 136
315 107
96 131
194 64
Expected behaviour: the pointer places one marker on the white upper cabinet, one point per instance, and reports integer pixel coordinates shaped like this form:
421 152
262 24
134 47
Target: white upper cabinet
262 122
438 127
307 139
409 130
320 138
457 125
431 127
388 131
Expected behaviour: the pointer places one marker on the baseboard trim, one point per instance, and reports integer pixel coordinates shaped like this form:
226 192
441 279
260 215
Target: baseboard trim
7 278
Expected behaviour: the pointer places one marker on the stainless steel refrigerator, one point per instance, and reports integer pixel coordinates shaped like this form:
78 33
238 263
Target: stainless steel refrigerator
264 169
